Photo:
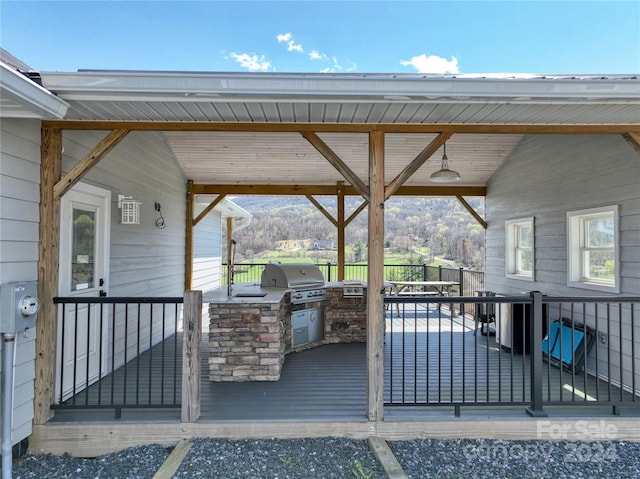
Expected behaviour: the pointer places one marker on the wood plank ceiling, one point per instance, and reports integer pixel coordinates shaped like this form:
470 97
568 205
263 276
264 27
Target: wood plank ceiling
287 158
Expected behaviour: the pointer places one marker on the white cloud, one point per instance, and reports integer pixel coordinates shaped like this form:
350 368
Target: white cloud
316 55
333 62
253 63
288 39
433 64
294 47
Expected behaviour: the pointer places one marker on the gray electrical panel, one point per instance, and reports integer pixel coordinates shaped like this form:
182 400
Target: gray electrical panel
19 306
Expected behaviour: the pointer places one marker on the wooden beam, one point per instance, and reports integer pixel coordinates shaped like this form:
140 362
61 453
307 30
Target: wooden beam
416 163
188 238
102 437
322 210
375 280
579 129
269 190
473 212
209 207
48 264
633 138
330 190
107 144
357 211
337 162
340 227
191 356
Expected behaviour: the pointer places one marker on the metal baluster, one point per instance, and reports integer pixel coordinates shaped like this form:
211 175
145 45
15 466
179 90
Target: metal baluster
62 343
151 350
86 380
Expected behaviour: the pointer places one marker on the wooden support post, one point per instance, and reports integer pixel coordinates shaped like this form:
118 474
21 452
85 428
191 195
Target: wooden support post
230 253
48 258
375 281
188 238
340 227
191 355
229 238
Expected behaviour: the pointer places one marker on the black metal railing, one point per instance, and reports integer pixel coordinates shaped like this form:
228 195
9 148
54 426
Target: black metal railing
119 353
529 350
470 280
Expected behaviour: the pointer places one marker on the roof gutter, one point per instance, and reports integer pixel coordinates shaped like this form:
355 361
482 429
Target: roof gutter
194 86
36 101
228 209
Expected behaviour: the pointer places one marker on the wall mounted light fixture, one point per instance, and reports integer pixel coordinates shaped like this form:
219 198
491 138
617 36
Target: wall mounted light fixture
130 210
160 224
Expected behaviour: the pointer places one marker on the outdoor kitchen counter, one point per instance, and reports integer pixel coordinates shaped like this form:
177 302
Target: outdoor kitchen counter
246 332
251 332
244 293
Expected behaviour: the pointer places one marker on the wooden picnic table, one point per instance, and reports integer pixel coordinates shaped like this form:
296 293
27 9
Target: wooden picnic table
421 288
416 288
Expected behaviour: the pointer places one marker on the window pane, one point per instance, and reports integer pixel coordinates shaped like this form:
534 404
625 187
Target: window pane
600 233
83 249
523 261
525 237
600 265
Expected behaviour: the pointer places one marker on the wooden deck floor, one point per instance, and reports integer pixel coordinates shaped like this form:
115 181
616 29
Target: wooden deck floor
451 364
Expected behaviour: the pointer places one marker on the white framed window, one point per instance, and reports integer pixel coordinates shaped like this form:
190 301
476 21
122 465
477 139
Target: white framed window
593 249
520 250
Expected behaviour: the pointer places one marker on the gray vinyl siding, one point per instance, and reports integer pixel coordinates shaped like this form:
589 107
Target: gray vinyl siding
206 251
144 260
545 177
19 220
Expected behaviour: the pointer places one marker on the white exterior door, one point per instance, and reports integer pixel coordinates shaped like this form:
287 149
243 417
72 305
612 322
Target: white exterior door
85 213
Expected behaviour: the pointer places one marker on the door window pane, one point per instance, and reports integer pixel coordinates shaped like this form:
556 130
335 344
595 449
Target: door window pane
83 249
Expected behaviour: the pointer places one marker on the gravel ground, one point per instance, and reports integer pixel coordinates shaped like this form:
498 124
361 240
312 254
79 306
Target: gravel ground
518 459
329 458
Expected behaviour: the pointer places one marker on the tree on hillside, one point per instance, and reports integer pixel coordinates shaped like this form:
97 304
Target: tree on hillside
437 227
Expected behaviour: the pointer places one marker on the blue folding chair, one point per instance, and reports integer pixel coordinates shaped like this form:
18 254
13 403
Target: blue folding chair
564 346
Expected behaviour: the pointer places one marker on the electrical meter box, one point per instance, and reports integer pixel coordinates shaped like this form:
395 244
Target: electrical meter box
19 306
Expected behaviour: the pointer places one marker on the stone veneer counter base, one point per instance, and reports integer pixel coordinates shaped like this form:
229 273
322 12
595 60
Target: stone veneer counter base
250 332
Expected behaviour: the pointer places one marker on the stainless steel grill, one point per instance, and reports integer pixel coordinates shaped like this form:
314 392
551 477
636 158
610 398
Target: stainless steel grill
305 279
307 283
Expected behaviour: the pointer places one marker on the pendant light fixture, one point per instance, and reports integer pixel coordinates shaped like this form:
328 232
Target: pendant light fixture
445 175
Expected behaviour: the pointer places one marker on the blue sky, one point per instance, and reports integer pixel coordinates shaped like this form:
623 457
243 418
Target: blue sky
579 37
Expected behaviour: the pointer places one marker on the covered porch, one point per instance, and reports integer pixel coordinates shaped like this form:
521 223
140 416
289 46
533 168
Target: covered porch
341 144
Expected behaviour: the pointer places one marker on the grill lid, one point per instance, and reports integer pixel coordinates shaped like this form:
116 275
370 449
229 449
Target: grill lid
292 276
